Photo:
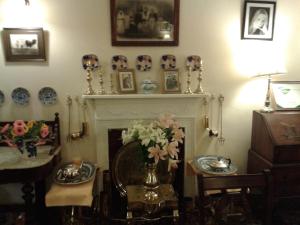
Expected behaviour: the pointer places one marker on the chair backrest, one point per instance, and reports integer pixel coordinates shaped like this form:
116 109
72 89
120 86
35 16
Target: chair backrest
241 182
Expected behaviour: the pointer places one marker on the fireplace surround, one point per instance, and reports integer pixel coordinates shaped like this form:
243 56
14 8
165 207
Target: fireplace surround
118 111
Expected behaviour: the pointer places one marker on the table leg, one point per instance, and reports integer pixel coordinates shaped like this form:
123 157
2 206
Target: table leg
40 192
27 190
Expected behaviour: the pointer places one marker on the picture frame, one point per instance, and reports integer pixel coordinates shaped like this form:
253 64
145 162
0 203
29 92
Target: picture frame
24 44
285 95
258 20
144 22
126 81
170 81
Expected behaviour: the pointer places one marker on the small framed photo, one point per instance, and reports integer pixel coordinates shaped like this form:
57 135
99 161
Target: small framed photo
258 21
144 22
170 80
126 81
286 95
21 45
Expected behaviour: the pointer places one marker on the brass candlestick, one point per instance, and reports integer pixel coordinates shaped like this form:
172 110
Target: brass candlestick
89 63
101 90
112 88
199 89
188 82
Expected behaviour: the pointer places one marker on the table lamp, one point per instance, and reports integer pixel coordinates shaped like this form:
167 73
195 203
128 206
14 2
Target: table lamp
267 106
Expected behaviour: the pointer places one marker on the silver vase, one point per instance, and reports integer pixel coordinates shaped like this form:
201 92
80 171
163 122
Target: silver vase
151 182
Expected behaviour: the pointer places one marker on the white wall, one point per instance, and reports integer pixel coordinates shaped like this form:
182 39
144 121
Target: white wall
209 28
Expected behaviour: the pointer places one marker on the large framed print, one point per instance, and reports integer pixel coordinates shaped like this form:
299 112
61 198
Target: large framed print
258 20
24 44
144 22
286 95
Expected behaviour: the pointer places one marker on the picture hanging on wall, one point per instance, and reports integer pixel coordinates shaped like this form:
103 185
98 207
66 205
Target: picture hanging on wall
258 21
144 23
126 81
23 45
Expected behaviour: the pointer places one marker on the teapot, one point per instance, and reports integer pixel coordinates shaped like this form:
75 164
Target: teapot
220 163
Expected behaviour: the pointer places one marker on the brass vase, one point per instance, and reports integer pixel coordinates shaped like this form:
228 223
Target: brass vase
151 182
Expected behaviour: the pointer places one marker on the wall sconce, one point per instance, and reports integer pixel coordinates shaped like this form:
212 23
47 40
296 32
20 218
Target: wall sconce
267 106
27 3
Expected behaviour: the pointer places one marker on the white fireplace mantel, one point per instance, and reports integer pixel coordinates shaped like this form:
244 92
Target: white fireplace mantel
118 111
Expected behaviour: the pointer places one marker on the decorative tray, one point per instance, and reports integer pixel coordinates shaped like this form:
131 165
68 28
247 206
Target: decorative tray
83 174
202 163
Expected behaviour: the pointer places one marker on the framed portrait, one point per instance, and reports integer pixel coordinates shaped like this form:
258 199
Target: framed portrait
21 45
170 80
258 20
286 95
126 81
144 22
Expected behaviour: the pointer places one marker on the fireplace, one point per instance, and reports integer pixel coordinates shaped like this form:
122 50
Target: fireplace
118 111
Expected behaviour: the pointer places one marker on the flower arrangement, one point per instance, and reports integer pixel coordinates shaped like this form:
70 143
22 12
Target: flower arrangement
24 135
159 140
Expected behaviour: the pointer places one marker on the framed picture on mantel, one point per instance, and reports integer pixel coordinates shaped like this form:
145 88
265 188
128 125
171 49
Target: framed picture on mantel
144 22
24 44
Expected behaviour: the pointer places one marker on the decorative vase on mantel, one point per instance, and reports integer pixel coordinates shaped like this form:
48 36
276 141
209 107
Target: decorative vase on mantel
151 182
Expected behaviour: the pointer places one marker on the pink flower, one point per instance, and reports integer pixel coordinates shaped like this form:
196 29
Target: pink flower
167 120
4 129
44 131
172 149
178 135
157 153
19 123
173 164
18 131
9 143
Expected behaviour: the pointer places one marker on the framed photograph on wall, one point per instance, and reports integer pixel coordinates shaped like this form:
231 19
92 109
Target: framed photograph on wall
144 22
286 95
170 81
126 81
258 20
23 44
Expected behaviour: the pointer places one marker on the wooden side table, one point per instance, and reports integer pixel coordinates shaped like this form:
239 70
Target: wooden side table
165 206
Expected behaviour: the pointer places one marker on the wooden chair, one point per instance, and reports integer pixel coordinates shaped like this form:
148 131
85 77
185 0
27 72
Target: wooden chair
230 188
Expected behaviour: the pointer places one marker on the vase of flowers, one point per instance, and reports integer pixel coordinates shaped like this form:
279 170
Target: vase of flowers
25 136
159 140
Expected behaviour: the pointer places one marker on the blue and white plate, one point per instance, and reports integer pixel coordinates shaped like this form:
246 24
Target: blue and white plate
20 96
47 96
2 98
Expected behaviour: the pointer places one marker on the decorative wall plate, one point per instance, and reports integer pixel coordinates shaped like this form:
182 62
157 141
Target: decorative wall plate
194 61
20 96
47 96
168 62
2 98
143 62
85 174
90 61
202 163
119 62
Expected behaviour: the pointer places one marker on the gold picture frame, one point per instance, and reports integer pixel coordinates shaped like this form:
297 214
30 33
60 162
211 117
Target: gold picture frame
170 81
126 81
24 44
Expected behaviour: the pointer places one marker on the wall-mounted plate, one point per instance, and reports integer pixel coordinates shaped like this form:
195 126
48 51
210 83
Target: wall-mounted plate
119 62
168 62
194 61
47 96
143 63
20 96
2 98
